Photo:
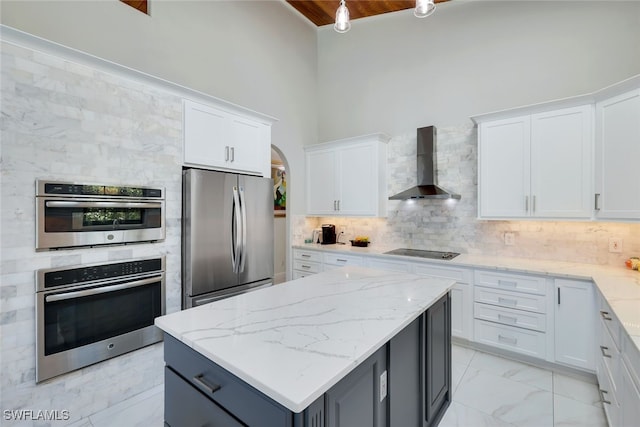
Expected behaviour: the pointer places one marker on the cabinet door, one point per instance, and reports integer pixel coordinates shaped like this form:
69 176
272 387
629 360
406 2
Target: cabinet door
249 146
206 135
617 154
629 399
357 400
321 182
461 311
561 163
575 324
437 371
357 178
504 168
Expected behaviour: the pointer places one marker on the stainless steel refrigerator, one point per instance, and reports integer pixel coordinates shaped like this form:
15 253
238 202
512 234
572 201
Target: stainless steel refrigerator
227 235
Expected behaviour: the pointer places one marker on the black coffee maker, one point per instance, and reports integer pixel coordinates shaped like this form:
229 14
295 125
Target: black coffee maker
328 234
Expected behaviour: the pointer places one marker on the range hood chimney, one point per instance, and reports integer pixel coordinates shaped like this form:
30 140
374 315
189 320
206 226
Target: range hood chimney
427 187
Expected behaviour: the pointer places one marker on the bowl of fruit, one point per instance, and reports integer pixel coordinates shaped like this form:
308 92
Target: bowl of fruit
362 241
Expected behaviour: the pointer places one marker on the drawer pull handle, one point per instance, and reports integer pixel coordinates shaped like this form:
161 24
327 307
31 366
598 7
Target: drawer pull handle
602 399
305 256
602 350
507 283
507 339
604 315
510 319
507 301
200 382
305 266
341 260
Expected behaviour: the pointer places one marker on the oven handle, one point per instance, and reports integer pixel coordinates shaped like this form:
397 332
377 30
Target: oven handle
70 204
102 290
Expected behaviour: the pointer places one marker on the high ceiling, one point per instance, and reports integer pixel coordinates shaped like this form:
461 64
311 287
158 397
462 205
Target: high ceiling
323 12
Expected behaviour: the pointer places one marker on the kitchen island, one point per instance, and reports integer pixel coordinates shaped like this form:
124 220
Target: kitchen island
349 345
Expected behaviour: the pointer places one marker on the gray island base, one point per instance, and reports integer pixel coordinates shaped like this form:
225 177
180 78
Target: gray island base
402 380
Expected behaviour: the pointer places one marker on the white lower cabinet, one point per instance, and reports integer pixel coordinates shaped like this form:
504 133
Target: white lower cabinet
461 296
306 263
385 264
574 323
332 260
510 312
617 368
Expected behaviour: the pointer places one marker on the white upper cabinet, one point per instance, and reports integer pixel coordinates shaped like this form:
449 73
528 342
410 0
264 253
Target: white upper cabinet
617 157
561 147
536 165
218 139
347 177
504 167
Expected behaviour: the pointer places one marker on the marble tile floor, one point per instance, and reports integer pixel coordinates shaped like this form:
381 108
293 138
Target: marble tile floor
493 391
488 391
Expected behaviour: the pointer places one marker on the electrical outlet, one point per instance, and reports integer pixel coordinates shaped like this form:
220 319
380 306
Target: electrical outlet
383 385
342 229
615 244
509 239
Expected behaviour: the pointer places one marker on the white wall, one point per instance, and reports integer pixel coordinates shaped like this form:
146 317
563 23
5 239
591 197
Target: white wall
396 73
257 54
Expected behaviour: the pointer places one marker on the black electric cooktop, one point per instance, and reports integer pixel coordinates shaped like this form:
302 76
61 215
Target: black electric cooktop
423 254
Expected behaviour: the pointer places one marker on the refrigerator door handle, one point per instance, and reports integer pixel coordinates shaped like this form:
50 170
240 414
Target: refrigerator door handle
237 231
243 209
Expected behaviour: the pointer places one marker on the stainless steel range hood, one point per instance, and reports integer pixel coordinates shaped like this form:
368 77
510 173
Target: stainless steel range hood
427 187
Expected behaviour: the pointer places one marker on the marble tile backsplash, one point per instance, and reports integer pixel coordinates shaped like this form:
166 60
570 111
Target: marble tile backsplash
69 122
451 225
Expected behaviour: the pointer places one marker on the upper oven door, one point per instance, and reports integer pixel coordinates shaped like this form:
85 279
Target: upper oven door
68 222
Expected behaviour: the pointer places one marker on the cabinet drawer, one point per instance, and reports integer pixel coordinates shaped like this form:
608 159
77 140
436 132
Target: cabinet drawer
236 397
340 259
607 394
310 267
519 340
307 255
459 275
297 274
609 357
508 316
186 406
512 282
610 321
384 264
536 303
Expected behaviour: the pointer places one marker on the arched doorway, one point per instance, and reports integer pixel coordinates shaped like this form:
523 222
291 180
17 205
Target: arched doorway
280 222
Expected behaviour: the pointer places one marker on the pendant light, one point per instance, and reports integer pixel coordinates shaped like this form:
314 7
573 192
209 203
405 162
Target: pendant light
424 8
342 24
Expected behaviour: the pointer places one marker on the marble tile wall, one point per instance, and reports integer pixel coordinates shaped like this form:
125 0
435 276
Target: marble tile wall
65 121
453 226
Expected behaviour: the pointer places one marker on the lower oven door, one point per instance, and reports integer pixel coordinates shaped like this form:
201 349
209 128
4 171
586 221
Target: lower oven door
77 327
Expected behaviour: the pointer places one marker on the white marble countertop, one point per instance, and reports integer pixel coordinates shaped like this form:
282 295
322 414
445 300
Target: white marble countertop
619 285
295 340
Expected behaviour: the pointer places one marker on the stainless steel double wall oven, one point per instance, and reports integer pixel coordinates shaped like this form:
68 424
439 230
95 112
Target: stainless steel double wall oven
89 313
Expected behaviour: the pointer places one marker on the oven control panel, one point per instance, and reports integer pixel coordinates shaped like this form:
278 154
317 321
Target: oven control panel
52 278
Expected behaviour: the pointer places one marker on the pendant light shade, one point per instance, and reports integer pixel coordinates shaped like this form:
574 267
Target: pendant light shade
424 8
342 24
